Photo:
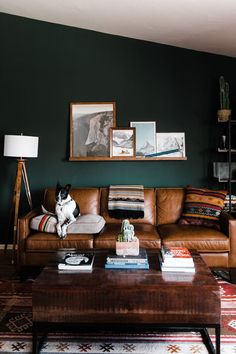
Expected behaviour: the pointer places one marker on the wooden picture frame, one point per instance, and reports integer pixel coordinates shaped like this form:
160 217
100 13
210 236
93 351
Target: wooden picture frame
90 124
145 137
122 142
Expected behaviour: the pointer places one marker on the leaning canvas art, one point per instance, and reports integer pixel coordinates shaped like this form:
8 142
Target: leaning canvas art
145 137
170 144
89 129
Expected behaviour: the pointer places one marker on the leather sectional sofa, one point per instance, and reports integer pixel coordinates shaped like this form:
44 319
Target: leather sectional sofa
162 210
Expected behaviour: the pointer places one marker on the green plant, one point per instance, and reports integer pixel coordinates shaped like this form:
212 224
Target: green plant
127 232
224 93
120 237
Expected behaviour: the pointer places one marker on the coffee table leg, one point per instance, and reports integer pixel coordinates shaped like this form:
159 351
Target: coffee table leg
208 342
38 336
217 332
35 339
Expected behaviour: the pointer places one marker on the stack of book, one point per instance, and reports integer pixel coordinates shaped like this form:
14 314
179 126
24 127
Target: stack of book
176 259
77 261
128 262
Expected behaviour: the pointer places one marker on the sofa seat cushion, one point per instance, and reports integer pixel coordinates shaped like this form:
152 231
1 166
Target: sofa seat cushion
200 238
39 241
84 224
146 233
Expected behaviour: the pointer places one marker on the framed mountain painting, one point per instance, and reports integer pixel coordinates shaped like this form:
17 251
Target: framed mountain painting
90 124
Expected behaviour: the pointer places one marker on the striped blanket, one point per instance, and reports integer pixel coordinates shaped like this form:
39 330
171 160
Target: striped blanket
126 201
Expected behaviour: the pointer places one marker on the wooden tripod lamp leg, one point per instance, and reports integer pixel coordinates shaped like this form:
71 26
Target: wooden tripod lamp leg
21 171
27 188
16 203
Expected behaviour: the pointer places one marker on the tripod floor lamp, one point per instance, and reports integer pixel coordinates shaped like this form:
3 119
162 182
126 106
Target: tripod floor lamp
21 147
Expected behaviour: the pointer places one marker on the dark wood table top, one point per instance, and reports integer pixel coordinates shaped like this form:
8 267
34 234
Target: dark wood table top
125 296
126 299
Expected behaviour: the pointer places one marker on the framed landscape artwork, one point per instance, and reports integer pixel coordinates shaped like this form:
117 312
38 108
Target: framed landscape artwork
122 142
145 137
90 123
171 144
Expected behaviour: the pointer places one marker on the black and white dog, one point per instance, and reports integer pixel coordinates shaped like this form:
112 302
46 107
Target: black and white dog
66 209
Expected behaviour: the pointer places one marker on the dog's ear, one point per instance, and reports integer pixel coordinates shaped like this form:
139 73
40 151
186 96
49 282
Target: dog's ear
68 187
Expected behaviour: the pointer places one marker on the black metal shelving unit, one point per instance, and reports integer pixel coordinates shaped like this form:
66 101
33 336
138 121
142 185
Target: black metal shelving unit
229 151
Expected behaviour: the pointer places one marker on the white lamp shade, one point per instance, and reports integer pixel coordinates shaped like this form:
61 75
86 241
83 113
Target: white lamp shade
20 146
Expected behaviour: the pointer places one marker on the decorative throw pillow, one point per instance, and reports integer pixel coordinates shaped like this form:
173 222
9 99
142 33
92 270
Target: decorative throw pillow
44 223
202 207
87 224
84 224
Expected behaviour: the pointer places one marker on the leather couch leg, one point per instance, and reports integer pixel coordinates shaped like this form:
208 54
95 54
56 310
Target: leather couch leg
232 275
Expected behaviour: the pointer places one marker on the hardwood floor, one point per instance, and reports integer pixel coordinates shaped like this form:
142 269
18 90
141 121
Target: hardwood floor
8 270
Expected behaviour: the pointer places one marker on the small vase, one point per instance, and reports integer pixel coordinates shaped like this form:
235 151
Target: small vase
127 248
223 115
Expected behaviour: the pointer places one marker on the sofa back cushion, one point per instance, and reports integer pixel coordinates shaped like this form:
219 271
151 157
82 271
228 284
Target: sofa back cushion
149 208
170 203
87 198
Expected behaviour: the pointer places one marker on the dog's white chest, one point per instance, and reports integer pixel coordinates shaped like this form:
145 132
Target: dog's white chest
66 209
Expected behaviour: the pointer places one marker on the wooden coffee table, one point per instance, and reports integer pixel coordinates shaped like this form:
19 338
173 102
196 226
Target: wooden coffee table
127 299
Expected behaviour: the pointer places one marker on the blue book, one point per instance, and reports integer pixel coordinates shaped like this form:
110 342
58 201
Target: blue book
127 266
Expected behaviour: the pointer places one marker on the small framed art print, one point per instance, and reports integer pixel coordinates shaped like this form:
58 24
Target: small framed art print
122 142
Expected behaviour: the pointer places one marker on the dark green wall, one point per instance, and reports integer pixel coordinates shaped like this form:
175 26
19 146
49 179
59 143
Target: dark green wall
45 66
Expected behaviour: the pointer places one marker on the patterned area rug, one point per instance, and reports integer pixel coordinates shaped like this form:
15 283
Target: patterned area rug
16 326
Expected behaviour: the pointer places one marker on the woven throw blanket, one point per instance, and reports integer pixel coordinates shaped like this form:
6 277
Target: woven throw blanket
125 202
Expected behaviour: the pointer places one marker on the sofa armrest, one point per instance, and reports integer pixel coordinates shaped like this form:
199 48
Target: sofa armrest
228 226
24 225
224 222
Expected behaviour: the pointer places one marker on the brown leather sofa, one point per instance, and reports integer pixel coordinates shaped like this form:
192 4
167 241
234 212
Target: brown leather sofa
162 210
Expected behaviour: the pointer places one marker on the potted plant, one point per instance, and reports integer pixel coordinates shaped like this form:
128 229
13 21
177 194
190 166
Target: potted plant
224 112
127 243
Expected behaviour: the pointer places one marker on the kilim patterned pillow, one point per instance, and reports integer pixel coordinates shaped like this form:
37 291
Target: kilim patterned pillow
202 207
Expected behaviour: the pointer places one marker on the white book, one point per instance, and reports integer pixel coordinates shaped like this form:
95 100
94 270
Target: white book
175 262
77 261
176 257
178 269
